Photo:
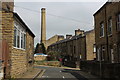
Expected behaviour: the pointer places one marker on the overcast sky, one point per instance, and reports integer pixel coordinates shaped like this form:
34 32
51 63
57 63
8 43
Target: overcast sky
68 16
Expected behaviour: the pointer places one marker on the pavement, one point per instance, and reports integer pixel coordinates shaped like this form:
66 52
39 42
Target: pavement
31 74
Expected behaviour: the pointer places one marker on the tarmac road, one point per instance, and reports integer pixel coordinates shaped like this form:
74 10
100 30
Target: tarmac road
52 73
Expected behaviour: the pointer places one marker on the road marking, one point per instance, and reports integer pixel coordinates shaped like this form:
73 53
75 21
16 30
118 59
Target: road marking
41 74
44 76
63 77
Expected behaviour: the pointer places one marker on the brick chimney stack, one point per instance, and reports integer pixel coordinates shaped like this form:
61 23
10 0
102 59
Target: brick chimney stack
77 32
43 26
7 6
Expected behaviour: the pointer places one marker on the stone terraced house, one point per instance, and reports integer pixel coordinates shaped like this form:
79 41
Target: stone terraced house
79 47
107 39
107 31
20 40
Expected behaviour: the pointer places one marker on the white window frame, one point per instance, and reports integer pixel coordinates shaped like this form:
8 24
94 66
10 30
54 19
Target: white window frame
22 31
98 54
15 40
102 27
94 48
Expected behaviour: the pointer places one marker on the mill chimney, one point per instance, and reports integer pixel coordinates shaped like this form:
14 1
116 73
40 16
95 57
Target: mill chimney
43 26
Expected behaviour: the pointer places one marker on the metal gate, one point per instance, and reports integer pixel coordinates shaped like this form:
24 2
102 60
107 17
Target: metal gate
4 59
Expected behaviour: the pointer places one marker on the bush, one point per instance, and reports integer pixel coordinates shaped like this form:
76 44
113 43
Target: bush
52 55
40 48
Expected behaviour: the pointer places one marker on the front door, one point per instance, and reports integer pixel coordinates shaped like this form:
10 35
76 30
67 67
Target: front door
1 70
1 62
4 59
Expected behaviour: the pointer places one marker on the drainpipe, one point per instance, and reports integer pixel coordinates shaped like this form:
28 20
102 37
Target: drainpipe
76 48
107 43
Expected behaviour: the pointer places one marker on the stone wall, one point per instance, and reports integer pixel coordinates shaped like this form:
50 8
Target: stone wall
90 41
7 26
105 70
53 39
20 60
82 48
107 11
77 48
30 49
39 58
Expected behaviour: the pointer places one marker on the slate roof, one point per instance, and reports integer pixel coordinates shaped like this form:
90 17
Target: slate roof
18 17
72 38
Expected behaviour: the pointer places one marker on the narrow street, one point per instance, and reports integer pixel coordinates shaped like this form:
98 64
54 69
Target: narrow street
60 73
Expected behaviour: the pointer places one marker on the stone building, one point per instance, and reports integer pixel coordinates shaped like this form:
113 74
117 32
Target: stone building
54 39
107 28
107 31
20 40
76 48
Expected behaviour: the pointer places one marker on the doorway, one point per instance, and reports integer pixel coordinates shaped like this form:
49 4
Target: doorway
112 55
4 59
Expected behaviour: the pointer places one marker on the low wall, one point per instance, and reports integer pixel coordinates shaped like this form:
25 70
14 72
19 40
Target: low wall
106 70
48 63
70 64
39 58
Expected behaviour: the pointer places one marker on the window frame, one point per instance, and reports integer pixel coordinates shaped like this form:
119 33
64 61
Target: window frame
18 40
94 48
21 30
102 27
110 26
15 37
118 22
